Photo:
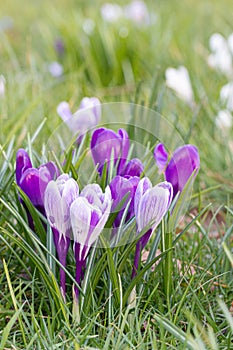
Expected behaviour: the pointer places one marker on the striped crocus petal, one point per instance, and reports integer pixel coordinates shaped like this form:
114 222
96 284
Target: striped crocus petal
143 186
153 206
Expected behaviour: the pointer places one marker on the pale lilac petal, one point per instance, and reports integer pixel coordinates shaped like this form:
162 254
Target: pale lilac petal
142 187
53 207
63 110
152 207
80 215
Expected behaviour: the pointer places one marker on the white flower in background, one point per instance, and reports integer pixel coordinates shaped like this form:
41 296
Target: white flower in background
226 96
179 81
137 12
88 26
111 12
2 85
55 69
221 57
224 120
230 42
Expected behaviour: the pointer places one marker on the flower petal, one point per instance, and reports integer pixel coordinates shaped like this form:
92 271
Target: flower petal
143 186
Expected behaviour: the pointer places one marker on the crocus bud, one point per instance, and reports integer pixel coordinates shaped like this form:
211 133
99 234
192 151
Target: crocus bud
150 206
133 168
59 196
89 213
184 162
123 188
106 145
33 181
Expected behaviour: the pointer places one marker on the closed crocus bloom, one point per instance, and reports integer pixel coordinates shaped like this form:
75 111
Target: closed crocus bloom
161 156
133 168
226 96
184 162
86 117
33 181
150 206
123 188
89 214
59 196
105 144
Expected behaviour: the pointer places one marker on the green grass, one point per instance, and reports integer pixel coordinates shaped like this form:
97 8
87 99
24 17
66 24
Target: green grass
198 312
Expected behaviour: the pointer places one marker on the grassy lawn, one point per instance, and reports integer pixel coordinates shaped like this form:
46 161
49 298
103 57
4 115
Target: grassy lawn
119 61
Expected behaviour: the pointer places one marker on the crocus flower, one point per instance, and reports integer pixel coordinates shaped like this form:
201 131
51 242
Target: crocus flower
133 168
179 81
150 206
33 181
184 162
137 12
55 69
59 46
106 145
59 196
86 117
111 12
89 213
123 187
226 96
230 43
224 120
220 58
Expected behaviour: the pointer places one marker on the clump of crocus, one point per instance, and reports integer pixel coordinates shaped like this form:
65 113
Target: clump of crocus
85 118
150 206
123 189
59 196
184 162
33 181
89 214
108 146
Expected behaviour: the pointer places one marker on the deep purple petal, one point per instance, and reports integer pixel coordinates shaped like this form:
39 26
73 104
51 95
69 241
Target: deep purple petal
125 144
161 156
133 168
181 166
30 184
23 162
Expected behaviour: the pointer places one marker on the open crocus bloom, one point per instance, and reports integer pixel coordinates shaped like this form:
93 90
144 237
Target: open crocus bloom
86 117
59 196
107 146
89 214
150 206
179 81
33 181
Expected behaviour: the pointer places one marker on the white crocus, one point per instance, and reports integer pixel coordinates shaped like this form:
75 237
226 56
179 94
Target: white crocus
179 81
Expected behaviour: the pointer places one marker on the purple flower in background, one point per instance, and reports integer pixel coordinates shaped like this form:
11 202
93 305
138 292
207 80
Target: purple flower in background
184 162
86 117
89 214
59 46
55 69
106 145
161 156
123 188
150 206
34 181
59 196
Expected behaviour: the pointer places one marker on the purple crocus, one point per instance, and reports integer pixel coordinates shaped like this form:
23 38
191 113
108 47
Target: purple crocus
107 145
86 117
59 195
133 168
33 181
89 213
184 162
150 206
123 187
